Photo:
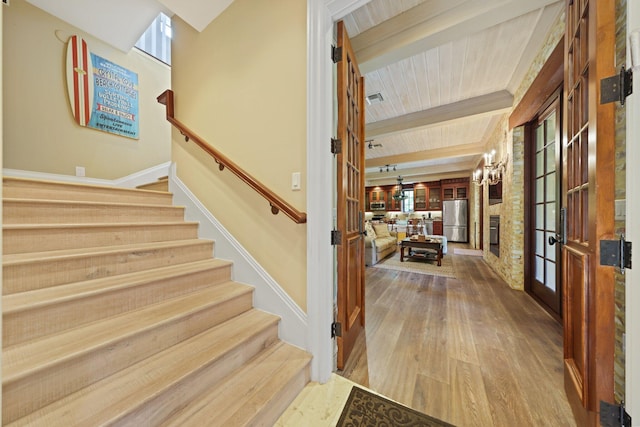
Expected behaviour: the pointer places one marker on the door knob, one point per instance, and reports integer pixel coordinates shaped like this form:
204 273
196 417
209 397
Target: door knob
553 240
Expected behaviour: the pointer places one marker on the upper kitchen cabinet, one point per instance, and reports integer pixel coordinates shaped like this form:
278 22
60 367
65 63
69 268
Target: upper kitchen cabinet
456 188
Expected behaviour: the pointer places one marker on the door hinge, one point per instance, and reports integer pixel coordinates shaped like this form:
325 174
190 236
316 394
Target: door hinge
336 54
616 88
614 415
336 329
336 146
336 237
616 253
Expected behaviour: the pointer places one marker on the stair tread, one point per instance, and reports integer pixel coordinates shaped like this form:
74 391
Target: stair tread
57 294
9 179
141 382
241 395
65 254
87 203
93 224
24 359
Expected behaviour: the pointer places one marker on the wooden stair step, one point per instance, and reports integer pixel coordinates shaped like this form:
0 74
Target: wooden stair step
37 270
33 314
166 381
20 238
162 184
39 372
28 211
55 190
257 393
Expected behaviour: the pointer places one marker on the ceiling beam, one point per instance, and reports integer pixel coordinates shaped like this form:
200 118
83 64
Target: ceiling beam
490 104
420 29
439 153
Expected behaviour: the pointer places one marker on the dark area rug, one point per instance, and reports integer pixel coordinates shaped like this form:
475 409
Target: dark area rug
365 409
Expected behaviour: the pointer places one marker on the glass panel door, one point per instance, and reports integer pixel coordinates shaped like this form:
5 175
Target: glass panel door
546 205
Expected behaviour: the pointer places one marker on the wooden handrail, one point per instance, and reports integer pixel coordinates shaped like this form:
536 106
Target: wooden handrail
276 202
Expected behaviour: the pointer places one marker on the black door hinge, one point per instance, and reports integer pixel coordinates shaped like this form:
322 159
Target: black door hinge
336 54
616 253
336 146
616 88
614 415
336 237
336 329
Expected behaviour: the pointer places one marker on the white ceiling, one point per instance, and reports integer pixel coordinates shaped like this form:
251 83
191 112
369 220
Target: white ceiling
108 23
447 69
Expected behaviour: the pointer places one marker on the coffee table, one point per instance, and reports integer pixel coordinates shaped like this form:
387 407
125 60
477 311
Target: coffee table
433 249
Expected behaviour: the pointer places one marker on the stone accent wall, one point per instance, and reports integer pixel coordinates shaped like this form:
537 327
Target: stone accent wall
621 177
510 143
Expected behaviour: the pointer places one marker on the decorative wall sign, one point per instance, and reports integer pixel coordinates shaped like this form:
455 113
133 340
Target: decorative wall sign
102 95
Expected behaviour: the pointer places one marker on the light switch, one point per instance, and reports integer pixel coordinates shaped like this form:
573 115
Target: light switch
295 181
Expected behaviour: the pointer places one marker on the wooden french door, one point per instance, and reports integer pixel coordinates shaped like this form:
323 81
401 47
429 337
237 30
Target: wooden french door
350 193
545 213
588 196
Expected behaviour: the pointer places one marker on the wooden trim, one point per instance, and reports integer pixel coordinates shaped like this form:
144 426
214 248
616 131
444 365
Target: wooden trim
548 80
276 202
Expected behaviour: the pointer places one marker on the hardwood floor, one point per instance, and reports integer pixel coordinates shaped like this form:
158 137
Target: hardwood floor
470 350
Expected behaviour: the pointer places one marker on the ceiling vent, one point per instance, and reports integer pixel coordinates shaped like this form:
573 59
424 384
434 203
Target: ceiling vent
375 98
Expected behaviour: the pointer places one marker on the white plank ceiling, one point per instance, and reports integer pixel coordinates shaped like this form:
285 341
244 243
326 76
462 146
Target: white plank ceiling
447 71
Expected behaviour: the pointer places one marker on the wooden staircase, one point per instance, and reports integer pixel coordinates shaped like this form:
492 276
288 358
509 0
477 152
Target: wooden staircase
115 313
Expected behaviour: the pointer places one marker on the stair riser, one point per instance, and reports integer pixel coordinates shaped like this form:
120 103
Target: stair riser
70 213
156 186
201 381
24 325
269 413
38 275
59 191
17 241
53 382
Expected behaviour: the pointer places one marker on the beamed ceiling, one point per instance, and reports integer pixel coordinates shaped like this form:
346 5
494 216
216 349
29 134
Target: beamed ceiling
446 69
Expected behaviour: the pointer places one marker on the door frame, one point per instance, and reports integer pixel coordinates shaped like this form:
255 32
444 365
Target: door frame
321 270
632 317
529 203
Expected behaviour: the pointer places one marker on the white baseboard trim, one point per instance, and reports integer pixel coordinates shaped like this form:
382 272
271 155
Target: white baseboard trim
268 295
130 181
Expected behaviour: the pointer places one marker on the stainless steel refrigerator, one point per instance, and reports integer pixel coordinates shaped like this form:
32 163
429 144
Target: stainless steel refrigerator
454 220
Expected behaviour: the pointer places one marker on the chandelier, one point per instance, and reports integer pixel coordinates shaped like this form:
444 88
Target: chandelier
399 194
493 172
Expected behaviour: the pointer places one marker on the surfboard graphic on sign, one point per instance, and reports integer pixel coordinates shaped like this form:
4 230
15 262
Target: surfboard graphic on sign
79 79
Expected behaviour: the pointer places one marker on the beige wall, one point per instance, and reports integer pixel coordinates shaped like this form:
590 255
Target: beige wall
40 133
241 85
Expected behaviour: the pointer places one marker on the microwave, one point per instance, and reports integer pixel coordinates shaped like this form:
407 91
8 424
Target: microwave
377 206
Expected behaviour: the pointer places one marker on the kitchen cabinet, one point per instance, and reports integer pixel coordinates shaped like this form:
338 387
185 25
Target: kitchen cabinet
419 197
453 189
437 228
393 204
435 199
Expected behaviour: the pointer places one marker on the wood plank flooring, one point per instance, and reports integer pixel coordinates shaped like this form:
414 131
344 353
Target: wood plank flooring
470 350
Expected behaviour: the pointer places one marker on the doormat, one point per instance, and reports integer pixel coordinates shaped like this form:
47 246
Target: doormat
418 266
365 409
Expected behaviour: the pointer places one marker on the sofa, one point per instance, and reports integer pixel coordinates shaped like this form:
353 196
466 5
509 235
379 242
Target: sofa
379 243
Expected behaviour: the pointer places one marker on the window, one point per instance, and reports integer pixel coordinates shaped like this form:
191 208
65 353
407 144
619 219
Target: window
407 204
156 41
